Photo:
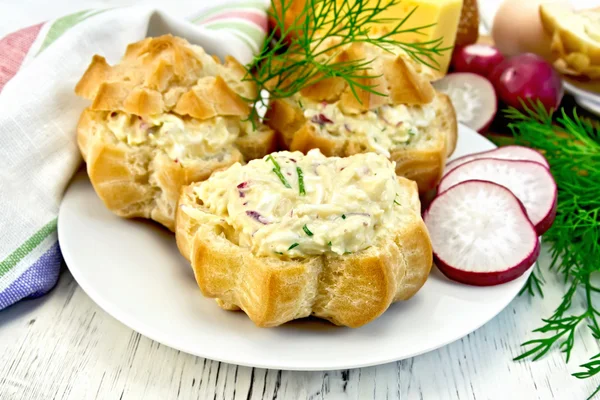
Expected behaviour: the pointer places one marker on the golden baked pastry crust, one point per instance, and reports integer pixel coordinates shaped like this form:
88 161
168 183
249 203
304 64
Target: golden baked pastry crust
167 73
349 290
402 81
141 181
158 76
423 164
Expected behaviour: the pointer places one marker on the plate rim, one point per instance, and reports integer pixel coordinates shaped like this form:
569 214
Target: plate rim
576 91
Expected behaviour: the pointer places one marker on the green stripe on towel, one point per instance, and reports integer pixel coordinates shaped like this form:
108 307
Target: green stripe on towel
251 45
248 28
27 247
254 5
63 24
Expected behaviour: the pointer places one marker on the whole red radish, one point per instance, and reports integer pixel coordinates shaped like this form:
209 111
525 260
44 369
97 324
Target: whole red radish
480 59
527 77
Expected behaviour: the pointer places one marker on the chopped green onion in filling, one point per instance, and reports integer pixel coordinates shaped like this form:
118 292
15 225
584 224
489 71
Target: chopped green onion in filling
301 181
277 171
308 232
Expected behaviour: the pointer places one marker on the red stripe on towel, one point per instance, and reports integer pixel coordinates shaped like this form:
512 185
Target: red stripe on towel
250 16
13 49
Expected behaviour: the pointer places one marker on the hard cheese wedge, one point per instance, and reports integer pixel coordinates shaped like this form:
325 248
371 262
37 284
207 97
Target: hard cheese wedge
445 14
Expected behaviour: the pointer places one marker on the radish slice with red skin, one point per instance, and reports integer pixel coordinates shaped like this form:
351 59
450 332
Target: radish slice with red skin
501 153
473 97
480 234
529 181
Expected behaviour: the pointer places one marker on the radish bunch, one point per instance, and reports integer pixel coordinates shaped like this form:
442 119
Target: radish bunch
490 209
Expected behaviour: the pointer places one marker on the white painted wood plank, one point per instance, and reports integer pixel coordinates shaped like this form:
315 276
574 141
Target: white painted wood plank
63 346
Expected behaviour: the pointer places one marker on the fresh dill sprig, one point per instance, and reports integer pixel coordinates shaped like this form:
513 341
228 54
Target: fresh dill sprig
591 368
298 53
534 283
572 148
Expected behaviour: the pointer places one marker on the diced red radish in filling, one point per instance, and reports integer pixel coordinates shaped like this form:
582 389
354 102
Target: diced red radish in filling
501 153
258 217
481 234
321 119
529 181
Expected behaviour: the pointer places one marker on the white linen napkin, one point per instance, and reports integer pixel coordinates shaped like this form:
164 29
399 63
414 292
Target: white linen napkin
39 67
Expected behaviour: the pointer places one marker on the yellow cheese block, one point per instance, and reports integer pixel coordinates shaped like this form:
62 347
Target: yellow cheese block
445 14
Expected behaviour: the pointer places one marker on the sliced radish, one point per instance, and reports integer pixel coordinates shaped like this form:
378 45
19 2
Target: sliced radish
531 182
481 234
501 153
473 97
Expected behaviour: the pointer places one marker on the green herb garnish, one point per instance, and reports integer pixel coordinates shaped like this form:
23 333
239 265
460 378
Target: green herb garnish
296 54
572 147
534 283
305 229
293 245
278 252
395 202
300 181
329 243
277 171
343 216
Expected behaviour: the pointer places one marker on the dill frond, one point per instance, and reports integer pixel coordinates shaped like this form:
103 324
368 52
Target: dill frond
299 53
572 148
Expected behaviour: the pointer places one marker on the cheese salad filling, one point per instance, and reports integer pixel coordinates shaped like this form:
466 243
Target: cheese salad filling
298 205
180 138
383 129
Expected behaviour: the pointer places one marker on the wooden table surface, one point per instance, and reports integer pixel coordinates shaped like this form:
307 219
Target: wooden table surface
63 346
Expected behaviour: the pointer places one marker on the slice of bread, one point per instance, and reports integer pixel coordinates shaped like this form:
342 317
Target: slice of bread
575 39
167 115
342 242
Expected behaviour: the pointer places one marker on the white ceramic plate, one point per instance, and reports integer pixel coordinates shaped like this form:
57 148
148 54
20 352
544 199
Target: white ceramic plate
585 98
133 270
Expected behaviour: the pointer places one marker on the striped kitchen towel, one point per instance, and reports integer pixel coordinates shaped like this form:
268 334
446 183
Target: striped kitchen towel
39 67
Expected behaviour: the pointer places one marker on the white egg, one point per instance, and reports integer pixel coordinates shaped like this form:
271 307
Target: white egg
517 28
